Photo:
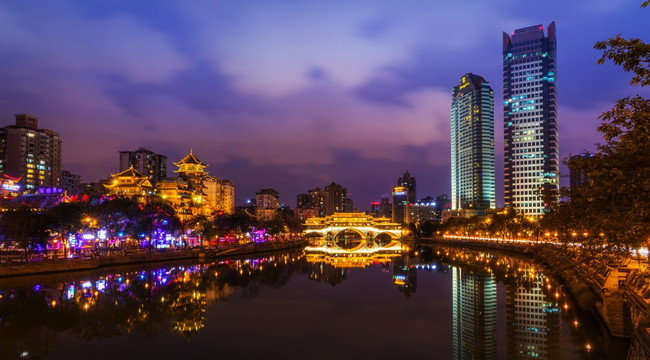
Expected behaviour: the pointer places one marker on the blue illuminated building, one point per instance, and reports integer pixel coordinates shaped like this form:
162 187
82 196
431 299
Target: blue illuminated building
531 151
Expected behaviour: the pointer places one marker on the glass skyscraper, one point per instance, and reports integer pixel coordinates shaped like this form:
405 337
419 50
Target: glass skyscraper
472 144
530 117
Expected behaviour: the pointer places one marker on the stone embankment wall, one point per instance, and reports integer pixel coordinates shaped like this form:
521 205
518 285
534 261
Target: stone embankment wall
54 266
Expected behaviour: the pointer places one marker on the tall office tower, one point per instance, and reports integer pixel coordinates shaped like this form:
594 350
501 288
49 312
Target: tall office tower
531 154
578 176
472 144
146 162
534 319
31 154
400 205
474 315
408 182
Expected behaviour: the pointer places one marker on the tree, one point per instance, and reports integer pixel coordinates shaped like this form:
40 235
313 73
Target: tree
65 218
203 227
613 206
26 226
155 214
118 215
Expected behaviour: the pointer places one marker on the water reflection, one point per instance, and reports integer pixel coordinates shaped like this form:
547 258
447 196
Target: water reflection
474 314
534 309
534 316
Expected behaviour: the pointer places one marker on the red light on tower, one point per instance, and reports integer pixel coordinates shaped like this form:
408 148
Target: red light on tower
541 27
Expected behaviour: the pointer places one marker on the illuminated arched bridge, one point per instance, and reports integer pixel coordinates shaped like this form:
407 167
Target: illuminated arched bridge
351 232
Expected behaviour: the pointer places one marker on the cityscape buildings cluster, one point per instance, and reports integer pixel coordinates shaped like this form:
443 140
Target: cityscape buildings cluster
31 158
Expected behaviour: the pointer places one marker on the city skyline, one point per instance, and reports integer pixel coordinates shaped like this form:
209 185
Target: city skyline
355 97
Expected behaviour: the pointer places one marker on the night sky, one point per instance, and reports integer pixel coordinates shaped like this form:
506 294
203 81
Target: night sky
291 94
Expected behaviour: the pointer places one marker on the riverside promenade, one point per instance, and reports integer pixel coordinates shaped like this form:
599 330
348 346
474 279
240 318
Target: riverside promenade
618 290
49 266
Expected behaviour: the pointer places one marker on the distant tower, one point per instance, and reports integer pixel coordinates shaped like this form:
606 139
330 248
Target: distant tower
531 150
191 170
146 162
408 182
472 144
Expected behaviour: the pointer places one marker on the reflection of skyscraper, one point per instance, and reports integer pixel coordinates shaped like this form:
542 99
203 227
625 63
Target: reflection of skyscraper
322 271
405 276
534 323
475 315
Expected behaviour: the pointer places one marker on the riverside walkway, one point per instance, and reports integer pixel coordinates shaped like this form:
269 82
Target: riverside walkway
142 257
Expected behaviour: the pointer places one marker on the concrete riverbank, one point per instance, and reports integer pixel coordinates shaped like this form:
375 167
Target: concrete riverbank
69 265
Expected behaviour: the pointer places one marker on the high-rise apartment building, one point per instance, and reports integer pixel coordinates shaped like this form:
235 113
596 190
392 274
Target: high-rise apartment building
146 162
531 151
31 154
266 204
472 144
220 194
332 199
70 183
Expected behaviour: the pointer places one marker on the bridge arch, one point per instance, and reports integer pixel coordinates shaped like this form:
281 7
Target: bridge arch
350 239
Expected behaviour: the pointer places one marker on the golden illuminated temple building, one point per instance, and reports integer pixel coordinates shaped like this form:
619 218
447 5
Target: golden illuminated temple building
130 183
192 193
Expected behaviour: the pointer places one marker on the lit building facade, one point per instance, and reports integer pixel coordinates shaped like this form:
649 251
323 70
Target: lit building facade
130 183
220 194
474 315
70 183
266 204
472 144
31 154
408 182
146 162
531 148
400 204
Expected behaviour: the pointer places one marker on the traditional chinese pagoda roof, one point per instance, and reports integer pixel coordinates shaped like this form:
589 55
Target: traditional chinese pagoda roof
137 180
130 172
190 159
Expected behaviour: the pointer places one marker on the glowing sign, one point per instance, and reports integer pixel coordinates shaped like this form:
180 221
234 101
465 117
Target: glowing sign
399 193
50 190
10 187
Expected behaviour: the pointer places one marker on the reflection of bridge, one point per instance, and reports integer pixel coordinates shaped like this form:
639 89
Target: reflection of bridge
360 232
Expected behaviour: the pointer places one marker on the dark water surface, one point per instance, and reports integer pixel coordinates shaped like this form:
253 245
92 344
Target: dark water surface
428 302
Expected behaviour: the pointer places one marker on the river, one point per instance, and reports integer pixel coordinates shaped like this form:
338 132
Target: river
426 302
